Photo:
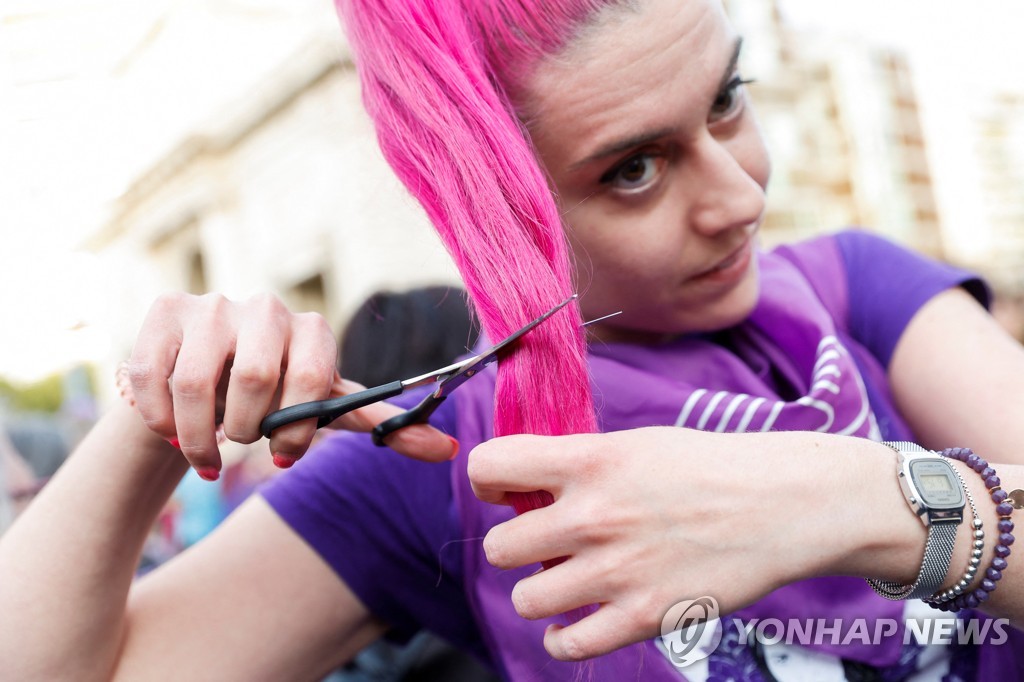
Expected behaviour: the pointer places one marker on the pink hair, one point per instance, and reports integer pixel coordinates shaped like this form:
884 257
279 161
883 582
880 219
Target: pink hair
436 78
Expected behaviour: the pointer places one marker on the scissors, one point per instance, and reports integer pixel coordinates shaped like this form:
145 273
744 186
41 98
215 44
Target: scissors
448 379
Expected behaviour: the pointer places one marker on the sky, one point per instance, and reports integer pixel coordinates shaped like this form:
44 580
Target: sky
91 91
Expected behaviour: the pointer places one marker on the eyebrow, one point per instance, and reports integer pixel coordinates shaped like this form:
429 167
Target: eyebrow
641 139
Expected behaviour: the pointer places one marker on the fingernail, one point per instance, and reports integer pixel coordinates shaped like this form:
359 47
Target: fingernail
208 473
175 443
283 461
455 448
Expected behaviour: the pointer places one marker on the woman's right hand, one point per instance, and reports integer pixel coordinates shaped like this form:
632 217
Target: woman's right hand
203 360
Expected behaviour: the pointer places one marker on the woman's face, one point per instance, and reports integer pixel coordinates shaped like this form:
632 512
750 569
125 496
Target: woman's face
644 128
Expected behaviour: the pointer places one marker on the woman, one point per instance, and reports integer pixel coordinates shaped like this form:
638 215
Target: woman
637 114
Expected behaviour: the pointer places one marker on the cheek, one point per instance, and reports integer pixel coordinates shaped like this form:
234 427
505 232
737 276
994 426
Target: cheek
595 256
609 251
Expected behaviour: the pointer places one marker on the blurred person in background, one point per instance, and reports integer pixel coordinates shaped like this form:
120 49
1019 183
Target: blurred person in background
41 441
397 335
400 335
18 482
32 448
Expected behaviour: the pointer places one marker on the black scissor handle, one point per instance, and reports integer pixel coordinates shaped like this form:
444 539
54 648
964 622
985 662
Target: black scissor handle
326 411
417 415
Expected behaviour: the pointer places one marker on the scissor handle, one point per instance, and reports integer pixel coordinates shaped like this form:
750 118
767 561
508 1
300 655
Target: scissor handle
417 415
326 411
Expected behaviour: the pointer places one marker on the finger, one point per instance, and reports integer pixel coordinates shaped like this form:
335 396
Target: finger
309 373
205 349
256 368
521 463
603 631
418 441
556 590
152 362
422 442
533 537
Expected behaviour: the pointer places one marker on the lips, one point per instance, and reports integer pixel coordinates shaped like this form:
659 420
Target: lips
736 260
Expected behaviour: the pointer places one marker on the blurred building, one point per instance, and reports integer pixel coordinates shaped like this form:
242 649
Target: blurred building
287 192
999 147
847 133
1000 150
842 122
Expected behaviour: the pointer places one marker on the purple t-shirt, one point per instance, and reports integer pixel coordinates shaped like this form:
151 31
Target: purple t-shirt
394 531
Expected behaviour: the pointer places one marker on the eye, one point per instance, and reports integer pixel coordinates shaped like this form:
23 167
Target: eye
729 99
634 174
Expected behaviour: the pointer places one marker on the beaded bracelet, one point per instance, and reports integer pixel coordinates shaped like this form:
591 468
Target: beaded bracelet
950 600
124 383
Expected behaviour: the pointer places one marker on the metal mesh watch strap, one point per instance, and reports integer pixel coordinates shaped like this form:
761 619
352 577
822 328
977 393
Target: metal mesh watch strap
938 551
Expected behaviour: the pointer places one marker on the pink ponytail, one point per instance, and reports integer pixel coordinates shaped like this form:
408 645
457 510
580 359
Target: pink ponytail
429 74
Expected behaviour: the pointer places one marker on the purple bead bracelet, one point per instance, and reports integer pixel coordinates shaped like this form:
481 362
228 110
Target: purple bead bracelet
970 600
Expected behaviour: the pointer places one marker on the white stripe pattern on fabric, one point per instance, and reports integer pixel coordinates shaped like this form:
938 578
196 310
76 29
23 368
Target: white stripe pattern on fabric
836 389
772 416
710 409
684 414
729 411
751 409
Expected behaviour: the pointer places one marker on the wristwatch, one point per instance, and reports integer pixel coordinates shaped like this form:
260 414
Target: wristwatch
935 495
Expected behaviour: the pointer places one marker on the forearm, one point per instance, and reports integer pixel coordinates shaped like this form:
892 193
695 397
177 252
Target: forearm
67 563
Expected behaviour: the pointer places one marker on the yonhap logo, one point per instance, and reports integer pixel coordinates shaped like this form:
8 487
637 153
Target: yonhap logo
691 630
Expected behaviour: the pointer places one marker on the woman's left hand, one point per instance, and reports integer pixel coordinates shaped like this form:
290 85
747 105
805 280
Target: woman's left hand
650 517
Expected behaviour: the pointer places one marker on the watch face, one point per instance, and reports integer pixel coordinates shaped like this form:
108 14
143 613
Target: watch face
937 484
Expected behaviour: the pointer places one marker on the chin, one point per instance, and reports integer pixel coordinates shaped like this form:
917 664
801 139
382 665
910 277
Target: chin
726 311
711 319
731 309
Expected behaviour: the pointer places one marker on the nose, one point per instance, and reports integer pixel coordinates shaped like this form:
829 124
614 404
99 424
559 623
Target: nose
723 193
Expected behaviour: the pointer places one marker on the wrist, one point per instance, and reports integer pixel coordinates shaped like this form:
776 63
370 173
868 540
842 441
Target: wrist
880 536
844 509
121 446
109 491
937 496
941 492
124 418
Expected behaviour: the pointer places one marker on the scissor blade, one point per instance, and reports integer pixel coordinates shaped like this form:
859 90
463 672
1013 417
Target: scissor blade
515 336
518 334
473 365
438 373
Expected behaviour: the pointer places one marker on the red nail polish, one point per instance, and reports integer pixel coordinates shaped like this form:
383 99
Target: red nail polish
283 461
175 443
455 448
208 473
